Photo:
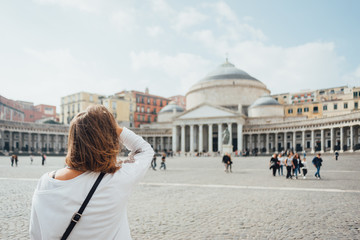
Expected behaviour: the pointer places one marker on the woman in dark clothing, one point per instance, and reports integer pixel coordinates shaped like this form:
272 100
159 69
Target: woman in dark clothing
274 164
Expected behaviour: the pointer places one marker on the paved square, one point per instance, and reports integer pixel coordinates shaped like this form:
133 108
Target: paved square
195 199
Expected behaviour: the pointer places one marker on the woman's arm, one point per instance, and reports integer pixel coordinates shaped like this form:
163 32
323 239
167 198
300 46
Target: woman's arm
140 156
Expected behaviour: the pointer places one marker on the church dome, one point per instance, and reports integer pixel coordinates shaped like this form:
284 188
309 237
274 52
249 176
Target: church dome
171 107
227 71
226 86
264 101
266 106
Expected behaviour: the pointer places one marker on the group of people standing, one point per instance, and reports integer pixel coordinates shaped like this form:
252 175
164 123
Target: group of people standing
15 159
294 164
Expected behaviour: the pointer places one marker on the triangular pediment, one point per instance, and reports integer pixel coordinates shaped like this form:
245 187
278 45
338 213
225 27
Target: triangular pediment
206 111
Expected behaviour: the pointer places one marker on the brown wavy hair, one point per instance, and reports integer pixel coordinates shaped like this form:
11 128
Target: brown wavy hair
93 143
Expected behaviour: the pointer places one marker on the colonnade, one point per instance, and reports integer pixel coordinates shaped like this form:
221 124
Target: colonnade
30 142
33 138
323 139
159 143
201 138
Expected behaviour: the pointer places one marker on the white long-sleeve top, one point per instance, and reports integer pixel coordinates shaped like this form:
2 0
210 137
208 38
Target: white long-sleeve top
105 217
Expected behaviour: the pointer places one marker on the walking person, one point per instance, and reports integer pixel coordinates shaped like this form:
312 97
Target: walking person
289 165
94 144
12 159
153 163
16 160
296 162
31 159
336 155
43 158
274 163
304 167
317 161
281 159
229 163
163 164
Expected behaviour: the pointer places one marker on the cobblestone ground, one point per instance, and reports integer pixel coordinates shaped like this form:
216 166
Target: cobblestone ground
195 199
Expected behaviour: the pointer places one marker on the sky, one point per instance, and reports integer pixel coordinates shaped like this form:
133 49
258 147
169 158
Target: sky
53 48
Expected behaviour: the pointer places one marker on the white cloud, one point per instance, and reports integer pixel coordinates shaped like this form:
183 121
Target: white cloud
154 31
124 19
161 7
352 78
188 18
92 6
188 68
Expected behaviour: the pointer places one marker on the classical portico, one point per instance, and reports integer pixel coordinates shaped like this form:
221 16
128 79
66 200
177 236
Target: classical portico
199 130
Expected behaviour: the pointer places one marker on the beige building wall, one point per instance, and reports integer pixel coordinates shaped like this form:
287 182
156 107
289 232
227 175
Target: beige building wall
120 108
309 110
74 103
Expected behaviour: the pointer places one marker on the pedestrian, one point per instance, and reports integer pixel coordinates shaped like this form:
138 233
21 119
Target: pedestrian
163 165
336 155
31 159
304 154
274 163
317 161
281 159
16 160
226 159
12 159
289 165
229 163
43 158
296 162
304 167
93 147
153 163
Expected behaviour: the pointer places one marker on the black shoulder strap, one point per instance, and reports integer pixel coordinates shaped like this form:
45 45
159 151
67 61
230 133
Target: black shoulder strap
76 217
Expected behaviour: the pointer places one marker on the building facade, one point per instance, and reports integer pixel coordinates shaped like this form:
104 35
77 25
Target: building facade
32 138
229 98
144 106
75 103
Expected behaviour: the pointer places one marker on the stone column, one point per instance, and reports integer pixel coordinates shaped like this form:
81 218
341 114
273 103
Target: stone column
201 148
332 140
39 142
192 140
161 143
322 141
10 141
182 139
258 142
250 143
20 142
312 141
47 142
303 140
174 138
351 138
220 137
276 142
56 147
341 139
230 131
294 141
2 137
154 144
267 143
285 140
239 138
29 142
210 138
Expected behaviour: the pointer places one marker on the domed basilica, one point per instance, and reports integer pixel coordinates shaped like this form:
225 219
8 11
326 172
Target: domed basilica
230 101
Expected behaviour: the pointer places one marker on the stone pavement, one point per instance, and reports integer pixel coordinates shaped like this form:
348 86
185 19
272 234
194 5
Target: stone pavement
195 199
